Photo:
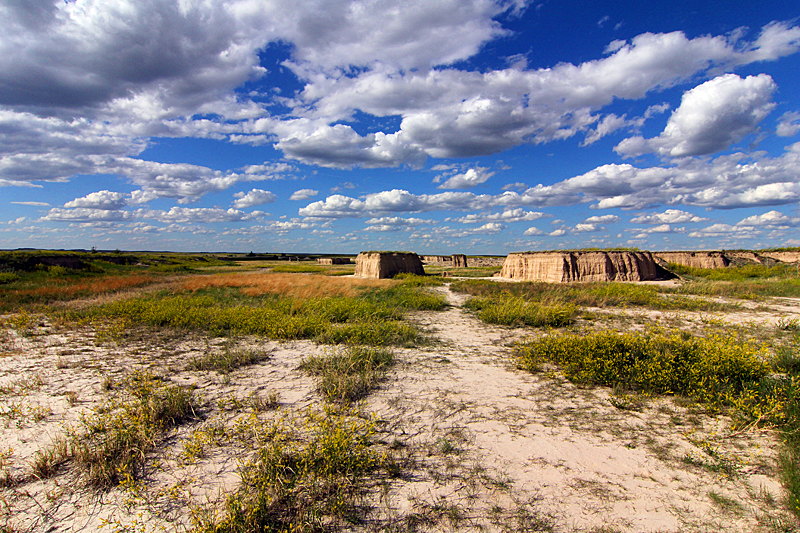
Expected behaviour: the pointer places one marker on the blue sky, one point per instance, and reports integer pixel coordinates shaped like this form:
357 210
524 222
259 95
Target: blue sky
451 126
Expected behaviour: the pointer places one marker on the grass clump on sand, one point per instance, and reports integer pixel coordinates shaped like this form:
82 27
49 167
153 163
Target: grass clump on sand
509 310
308 476
349 374
600 294
109 447
226 361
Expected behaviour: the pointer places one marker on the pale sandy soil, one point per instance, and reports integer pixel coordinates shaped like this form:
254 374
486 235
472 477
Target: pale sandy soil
483 446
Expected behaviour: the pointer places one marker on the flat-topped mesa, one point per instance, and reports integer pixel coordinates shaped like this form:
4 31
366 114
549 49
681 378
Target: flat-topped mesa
562 267
695 259
387 264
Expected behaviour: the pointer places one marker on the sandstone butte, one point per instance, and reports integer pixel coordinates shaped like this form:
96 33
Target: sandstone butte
387 264
560 267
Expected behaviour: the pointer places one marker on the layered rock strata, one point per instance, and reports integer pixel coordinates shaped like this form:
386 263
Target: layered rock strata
334 261
459 261
562 267
695 259
387 264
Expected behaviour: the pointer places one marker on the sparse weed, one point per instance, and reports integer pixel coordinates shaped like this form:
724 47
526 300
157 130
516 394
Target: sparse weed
788 324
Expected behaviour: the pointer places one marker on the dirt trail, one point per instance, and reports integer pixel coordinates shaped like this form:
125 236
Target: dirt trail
499 448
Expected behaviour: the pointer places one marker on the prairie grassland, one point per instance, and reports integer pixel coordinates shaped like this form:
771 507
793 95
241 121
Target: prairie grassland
286 284
609 294
749 282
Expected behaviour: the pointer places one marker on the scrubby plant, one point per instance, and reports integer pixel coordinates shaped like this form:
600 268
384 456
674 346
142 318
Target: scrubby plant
227 360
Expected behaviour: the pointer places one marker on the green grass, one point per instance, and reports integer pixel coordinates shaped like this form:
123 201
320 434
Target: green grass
749 281
516 311
710 370
609 294
109 447
298 268
302 481
226 361
374 318
349 374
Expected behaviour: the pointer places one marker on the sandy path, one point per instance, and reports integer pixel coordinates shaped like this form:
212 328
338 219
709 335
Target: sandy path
497 448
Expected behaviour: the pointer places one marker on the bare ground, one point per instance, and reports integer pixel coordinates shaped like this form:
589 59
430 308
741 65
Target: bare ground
483 446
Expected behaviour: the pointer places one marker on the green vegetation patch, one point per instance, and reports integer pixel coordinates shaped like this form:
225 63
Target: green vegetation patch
710 370
373 319
748 281
303 481
349 374
586 295
516 311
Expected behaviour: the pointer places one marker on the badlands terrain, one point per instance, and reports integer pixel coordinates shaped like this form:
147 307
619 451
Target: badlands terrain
174 393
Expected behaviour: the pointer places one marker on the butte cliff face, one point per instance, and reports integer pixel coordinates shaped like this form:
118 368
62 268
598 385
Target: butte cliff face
387 264
695 259
562 267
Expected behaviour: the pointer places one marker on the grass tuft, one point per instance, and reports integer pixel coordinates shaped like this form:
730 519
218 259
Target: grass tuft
349 374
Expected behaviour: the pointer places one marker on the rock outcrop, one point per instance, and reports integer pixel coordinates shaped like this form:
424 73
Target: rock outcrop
783 257
459 261
334 261
387 264
695 259
561 267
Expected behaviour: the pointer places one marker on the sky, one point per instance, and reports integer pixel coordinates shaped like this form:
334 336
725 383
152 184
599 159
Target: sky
434 126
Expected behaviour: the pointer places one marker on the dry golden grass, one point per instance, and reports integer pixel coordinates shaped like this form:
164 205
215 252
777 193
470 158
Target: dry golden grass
294 285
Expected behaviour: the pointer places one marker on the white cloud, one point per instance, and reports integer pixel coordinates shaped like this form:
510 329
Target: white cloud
303 194
603 219
533 231
471 178
711 117
670 216
789 124
558 233
37 204
86 215
253 198
509 215
107 200
663 228
770 218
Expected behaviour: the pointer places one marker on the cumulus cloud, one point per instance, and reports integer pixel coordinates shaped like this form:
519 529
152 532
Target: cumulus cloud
467 180
533 231
789 124
770 218
711 117
396 223
602 219
253 198
107 200
303 194
509 215
670 216
663 228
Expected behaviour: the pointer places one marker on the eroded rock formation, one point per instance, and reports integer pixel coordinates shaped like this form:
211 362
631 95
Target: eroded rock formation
561 267
387 264
784 257
334 261
459 261
695 259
